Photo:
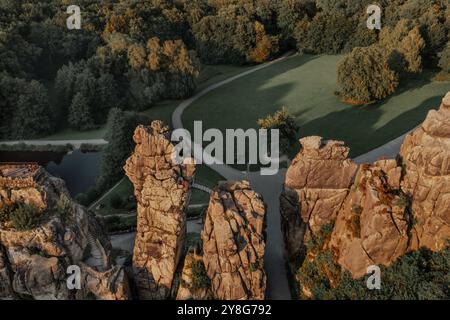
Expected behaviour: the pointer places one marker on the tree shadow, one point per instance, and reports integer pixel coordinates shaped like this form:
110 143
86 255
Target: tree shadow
356 126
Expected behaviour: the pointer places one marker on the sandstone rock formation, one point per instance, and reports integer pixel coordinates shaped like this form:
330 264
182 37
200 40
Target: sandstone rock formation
162 192
316 185
29 183
378 211
373 223
234 242
192 288
34 261
425 157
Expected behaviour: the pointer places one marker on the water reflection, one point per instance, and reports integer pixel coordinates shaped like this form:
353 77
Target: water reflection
78 169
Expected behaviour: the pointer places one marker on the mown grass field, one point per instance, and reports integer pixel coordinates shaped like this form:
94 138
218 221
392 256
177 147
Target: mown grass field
306 85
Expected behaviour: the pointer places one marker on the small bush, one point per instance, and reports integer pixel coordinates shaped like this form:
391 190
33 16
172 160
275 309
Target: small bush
200 279
82 199
64 208
356 208
285 123
115 201
25 217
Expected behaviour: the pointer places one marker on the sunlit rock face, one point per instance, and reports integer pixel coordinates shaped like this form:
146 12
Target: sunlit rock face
234 242
378 212
192 288
34 260
317 183
425 156
372 225
162 191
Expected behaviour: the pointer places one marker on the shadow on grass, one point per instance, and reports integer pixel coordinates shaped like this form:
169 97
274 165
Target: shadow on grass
356 126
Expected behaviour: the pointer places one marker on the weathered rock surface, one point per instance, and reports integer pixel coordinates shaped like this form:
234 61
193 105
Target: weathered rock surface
317 183
425 156
373 223
234 242
379 211
30 184
162 191
33 262
188 289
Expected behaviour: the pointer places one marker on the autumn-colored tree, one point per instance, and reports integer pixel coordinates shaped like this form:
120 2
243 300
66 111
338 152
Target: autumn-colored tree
365 75
283 121
265 46
405 40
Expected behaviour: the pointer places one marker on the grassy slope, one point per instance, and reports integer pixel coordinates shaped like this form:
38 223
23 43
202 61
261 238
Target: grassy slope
306 85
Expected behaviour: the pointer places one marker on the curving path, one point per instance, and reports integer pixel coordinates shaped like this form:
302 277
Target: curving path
269 187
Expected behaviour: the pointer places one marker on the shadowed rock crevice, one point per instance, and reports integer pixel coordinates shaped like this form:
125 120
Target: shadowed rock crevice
234 242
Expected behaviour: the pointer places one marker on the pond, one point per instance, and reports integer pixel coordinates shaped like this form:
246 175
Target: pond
79 170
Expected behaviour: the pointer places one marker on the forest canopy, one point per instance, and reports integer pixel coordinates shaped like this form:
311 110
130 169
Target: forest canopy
132 54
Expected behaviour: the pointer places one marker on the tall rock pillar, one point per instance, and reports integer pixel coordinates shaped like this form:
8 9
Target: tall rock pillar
162 192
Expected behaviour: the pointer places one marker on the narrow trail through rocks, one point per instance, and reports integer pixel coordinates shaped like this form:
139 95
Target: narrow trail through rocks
270 187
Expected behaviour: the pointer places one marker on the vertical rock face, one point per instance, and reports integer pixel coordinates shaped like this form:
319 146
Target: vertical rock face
426 161
234 243
162 191
373 223
193 285
34 259
317 183
378 212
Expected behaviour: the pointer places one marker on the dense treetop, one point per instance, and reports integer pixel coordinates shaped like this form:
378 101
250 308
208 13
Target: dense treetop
132 53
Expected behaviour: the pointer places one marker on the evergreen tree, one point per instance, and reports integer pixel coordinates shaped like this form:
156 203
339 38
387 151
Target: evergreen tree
80 117
120 128
32 116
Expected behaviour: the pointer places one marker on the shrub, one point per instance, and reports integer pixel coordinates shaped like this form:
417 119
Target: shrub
285 123
25 217
82 199
419 275
64 208
200 279
115 201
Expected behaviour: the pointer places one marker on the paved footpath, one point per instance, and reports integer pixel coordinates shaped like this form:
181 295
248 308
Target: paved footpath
270 187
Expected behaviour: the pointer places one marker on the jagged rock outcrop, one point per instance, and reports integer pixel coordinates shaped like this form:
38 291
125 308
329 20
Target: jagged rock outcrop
162 191
316 185
378 211
195 284
373 224
29 183
111 284
425 156
234 242
34 260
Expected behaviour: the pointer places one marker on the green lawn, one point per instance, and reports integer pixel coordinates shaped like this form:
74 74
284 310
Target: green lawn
306 85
